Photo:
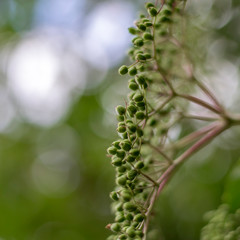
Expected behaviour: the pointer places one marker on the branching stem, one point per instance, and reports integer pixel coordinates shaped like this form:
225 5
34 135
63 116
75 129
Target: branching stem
164 178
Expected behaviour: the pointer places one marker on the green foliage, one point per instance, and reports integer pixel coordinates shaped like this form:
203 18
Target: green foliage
222 225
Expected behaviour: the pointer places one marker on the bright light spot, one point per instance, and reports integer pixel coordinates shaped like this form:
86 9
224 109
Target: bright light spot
42 80
33 70
60 13
106 29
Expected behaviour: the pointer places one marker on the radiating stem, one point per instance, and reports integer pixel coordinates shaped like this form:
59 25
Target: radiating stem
164 178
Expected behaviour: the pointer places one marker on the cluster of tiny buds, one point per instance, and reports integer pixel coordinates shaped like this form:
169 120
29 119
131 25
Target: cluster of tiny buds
132 190
222 224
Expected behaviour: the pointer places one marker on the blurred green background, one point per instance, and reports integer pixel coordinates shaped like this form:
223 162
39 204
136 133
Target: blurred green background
58 89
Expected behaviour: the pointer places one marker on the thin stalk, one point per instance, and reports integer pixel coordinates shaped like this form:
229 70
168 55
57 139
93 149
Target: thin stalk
201 118
200 102
160 152
204 88
168 173
149 178
162 105
191 137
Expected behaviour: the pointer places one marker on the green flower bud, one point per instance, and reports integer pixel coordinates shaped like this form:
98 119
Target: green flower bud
132 174
131 232
140 115
132 138
120 118
149 5
142 27
121 169
126 225
120 110
140 104
131 95
152 11
135 224
129 206
126 196
133 30
138 97
131 51
132 80
119 218
140 79
132 128
131 185
119 207
137 191
121 180
132 71
112 150
134 152
138 52
125 135
133 40
130 159
147 36
138 42
140 57
121 124
112 237
167 12
139 233
163 33
116 144
133 86
123 70
141 68
116 161
148 24
139 132
139 218
121 129
115 227
114 196
129 121
139 165
165 20
126 145
122 237
129 217
132 109
153 122
144 20
121 154
147 55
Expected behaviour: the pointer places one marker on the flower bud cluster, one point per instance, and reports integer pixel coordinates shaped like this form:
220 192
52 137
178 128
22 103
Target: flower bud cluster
222 224
140 122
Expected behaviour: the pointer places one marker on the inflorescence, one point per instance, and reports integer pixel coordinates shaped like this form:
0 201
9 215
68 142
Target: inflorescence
222 224
144 121
162 79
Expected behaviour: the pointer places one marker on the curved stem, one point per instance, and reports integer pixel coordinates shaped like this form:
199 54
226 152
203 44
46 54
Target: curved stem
164 155
165 177
200 102
191 137
201 118
209 94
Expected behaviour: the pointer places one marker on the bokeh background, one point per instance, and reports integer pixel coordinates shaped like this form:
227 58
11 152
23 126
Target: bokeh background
58 89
